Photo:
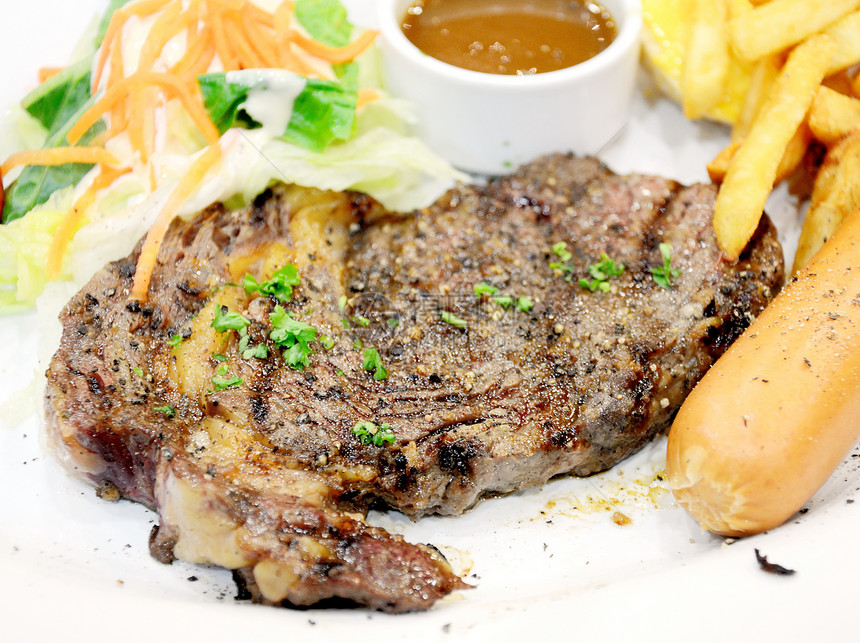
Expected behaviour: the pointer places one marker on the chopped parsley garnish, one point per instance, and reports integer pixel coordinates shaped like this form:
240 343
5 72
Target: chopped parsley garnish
327 342
505 301
357 344
361 321
393 322
341 303
525 304
138 371
175 341
484 288
292 336
373 362
664 274
601 272
345 323
168 410
225 320
280 285
451 318
370 433
221 383
260 351
560 250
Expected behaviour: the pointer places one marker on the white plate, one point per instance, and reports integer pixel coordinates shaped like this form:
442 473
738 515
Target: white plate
545 562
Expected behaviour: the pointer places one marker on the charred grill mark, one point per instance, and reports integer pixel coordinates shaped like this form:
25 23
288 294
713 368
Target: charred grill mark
457 456
259 409
259 206
186 288
95 384
564 437
125 267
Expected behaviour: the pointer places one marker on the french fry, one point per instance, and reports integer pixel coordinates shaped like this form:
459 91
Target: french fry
840 82
719 165
794 151
737 7
779 24
706 58
855 85
791 158
846 34
751 174
763 76
835 194
833 115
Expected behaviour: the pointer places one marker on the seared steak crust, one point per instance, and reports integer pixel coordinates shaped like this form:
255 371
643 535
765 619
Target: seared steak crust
483 396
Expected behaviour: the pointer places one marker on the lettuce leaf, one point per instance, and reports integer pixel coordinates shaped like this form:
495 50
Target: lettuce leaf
56 100
36 182
322 113
56 104
325 21
223 101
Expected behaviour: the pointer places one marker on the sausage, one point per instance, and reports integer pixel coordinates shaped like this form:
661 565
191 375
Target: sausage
771 420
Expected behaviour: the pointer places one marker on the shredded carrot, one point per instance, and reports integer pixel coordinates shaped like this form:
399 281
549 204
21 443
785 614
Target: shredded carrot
283 19
289 59
249 58
119 113
114 30
59 156
255 34
367 95
258 15
199 43
201 65
184 189
69 224
334 55
189 97
222 44
166 26
234 30
196 60
137 108
147 122
48 72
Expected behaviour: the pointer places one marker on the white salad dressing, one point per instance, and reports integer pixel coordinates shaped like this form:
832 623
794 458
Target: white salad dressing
270 101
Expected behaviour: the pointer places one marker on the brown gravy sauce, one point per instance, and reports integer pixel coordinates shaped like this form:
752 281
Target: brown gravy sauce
509 36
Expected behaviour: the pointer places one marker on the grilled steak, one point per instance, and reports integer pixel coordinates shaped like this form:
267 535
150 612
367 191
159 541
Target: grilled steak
264 464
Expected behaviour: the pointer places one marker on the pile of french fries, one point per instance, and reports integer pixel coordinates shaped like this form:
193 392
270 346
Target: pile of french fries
804 91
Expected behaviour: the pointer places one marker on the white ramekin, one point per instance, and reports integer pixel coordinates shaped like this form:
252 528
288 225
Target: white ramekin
490 124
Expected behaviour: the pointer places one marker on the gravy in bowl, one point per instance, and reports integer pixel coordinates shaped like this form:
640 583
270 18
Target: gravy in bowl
509 36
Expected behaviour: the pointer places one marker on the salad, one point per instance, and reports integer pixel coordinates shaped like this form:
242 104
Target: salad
171 105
